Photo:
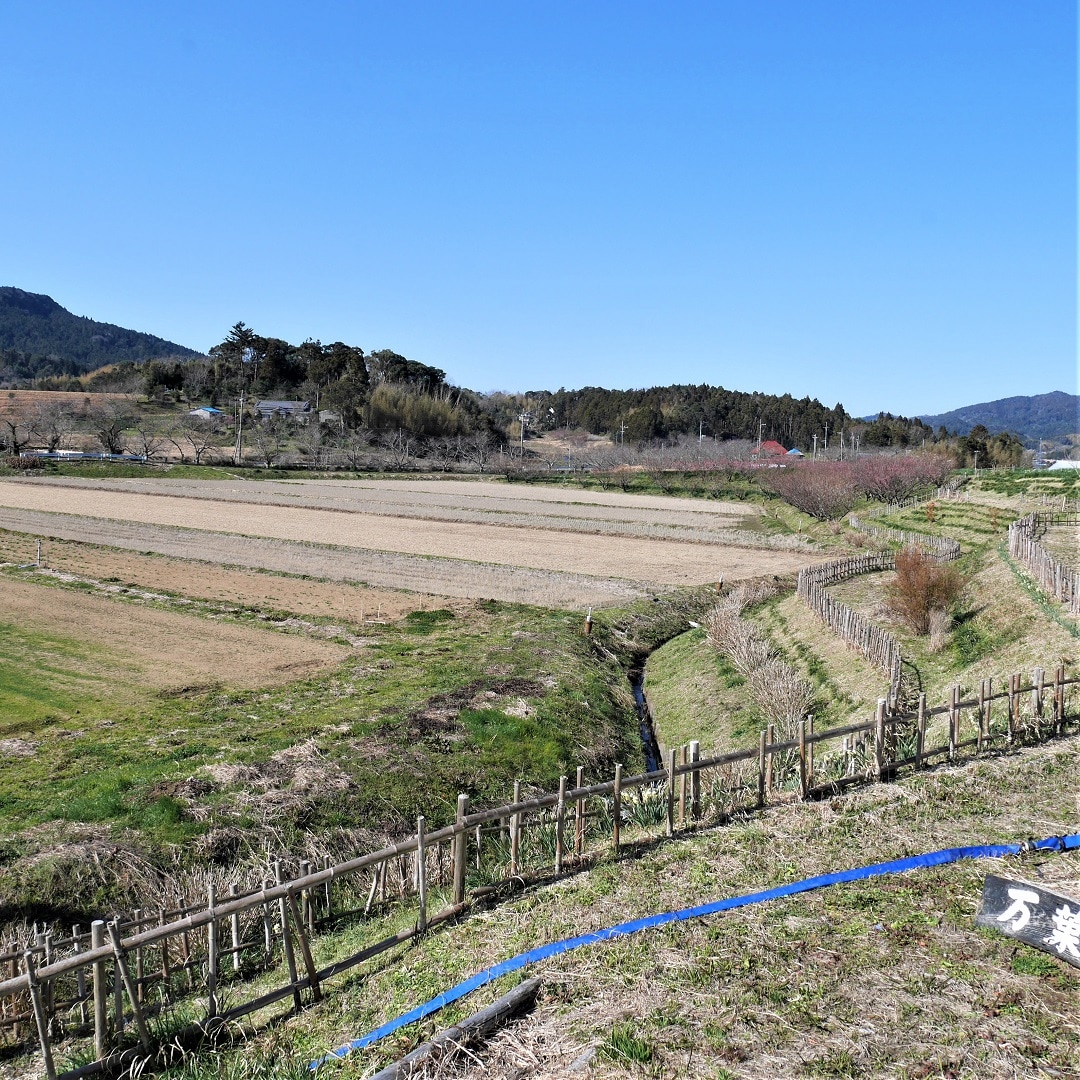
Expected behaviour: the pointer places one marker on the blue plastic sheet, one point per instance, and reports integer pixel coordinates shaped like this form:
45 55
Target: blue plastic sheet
556 948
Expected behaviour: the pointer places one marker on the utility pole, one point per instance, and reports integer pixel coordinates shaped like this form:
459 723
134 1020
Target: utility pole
700 430
976 462
825 448
760 431
622 432
814 458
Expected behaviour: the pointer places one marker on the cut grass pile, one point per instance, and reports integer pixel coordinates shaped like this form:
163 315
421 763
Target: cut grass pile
887 977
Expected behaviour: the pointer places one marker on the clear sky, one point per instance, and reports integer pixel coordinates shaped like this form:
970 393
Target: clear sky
866 202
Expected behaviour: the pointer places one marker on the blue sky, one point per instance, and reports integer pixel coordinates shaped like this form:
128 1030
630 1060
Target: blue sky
864 202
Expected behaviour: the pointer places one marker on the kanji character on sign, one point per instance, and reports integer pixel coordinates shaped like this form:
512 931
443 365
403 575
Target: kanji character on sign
1066 933
1019 908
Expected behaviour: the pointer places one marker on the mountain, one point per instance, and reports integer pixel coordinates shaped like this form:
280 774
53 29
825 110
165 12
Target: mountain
1042 416
39 336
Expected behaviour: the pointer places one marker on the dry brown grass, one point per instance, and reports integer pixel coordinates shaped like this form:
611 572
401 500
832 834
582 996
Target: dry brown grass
164 649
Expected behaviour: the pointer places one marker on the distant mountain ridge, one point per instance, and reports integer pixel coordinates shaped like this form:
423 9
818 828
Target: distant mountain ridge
36 326
1040 416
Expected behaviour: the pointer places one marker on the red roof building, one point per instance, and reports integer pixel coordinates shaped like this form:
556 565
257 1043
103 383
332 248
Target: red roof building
771 448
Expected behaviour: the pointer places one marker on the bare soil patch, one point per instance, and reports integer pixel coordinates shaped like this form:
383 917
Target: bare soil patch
645 560
1063 542
166 650
349 601
433 577
76 400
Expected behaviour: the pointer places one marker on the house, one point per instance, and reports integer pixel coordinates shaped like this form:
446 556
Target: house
795 452
770 449
299 411
206 412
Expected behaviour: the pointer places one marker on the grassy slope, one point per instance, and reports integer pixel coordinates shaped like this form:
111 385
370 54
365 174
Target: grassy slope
886 978
420 714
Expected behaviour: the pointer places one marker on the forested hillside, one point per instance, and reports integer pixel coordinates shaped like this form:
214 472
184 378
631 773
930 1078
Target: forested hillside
1041 416
40 338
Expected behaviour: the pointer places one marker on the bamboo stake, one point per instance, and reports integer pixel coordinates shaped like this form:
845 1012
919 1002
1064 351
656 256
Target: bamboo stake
39 1015
671 793
166 977
460 844
616 808
682 788
810 751
560 816
211 953
421 873
879 738
920 735
695 781
771 738
802 759
515 833
97 941
234 930
305 949
80 976
579 813
286 941
129 985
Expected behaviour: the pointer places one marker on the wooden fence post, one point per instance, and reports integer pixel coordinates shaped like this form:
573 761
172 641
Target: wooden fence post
616 808
80 976
515 835
40 1019
1059 696
129 985
761 769
879 738
234 930
286 940
954 721
920 733
421 872
166 975
810 752
1038 679
682 788
211 953
1014 706
579 813
305 948
97 941
560 819
671 792
771 736
802 759
695 781
461 840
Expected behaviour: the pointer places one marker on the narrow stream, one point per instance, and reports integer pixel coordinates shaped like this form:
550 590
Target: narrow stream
645 725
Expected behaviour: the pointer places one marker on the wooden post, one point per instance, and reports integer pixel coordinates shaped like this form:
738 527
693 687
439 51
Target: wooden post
129 985
515 833
954 721
268 931
920 733
139 969
810 752
879 738
616 808
305 897
305 949
234 930
327 897
286 940
671 793
48 997
97 940
1059 696
770 734
118 1000
560 817
695 781
40 1018
579 813
763 738
421 872
1014 706
80 976
1038 679
802 759
461 840
682 788
211 953
166 975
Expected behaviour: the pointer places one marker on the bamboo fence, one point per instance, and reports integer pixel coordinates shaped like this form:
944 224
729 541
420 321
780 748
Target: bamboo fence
106 983
1054 577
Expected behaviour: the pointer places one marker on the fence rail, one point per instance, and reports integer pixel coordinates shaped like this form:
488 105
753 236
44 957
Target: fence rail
97 984
1054 577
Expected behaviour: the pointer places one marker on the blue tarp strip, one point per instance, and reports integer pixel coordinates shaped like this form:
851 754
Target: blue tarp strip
545 952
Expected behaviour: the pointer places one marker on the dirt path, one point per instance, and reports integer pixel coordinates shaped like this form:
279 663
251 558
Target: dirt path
166 649
644 560
195 550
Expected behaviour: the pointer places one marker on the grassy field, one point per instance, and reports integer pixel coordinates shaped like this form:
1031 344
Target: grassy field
439 702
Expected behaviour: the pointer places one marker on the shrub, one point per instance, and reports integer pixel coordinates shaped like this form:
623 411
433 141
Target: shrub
24 464
921 587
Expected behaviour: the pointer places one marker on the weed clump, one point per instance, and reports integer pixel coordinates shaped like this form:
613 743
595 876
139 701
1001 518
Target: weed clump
922 586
